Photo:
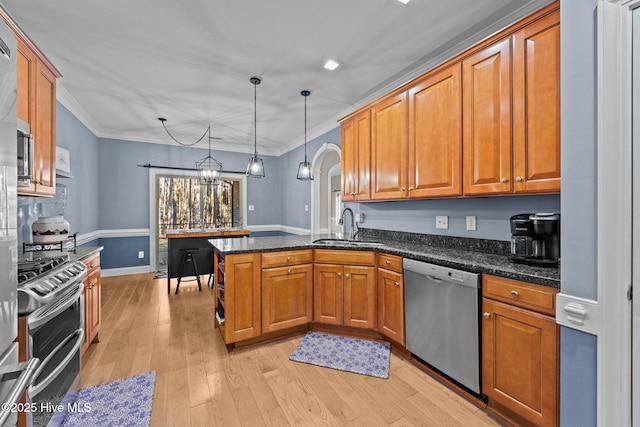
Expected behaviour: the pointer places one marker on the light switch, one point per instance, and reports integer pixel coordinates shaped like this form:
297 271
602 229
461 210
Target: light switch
252 208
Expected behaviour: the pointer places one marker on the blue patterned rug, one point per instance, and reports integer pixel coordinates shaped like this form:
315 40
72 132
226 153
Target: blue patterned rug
121 403
346 354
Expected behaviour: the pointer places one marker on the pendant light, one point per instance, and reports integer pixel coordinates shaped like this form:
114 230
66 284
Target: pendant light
209 169
255 168
304 169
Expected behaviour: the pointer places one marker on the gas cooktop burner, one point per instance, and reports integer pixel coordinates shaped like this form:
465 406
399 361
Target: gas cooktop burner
30 269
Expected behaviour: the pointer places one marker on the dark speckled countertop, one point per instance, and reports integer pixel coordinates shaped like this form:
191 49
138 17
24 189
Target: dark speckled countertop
474 255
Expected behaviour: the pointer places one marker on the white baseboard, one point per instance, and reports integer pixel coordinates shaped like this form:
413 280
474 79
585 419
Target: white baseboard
141 269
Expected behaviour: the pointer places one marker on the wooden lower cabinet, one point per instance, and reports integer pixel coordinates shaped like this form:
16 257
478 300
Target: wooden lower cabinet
520 366
243 297
92 301
287 297
391 305
345 294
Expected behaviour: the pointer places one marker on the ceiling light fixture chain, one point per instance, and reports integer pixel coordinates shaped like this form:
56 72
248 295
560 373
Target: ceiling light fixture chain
304 168
184 144
255 168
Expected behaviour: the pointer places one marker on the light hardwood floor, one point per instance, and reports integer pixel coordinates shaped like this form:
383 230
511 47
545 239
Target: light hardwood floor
199 383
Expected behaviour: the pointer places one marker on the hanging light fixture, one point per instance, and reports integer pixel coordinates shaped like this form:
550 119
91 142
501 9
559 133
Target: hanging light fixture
304 169
255 168
209 169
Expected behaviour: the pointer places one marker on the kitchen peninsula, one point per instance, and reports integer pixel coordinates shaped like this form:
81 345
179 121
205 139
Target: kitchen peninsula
195 239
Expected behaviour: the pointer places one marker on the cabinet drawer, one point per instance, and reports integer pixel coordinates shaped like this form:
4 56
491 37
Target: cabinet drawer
345 257
527 295
278 259
92 263
390 262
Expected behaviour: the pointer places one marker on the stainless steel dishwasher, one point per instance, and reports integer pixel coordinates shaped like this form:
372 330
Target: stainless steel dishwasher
441 318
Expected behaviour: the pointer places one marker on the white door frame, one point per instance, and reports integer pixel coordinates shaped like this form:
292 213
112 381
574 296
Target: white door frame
335 170
315 184
614 211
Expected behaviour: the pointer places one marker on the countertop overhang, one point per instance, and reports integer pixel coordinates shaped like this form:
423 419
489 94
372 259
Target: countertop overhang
467 260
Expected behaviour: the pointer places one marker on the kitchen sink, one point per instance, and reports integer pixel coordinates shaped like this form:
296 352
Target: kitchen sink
347 243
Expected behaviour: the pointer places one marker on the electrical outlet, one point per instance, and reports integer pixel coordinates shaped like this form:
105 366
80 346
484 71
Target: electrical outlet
306 208
359 217
442 221
471 222
140 254
252 208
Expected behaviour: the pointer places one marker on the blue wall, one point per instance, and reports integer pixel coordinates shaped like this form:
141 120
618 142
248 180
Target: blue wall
578 350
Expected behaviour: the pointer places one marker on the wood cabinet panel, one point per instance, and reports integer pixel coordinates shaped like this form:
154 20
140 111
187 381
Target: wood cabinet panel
344 257
284 258
360 297
26 89
92 301
287 297
391 305
389 148
536 106
356 157
45 131
521 294
328 304
487 117
390 262
242 297
435 135
520 361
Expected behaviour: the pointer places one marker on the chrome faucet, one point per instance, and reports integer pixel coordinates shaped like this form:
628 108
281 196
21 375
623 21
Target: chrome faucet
341 222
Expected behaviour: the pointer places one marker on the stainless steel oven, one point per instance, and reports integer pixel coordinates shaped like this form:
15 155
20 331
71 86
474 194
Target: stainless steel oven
52 303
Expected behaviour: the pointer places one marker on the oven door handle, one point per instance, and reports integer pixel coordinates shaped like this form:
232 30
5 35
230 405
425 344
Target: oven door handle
27 370
35 388
46 313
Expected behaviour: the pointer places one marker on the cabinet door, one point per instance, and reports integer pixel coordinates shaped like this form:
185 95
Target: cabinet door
349 169
435 135
96 304
391 305
360 297
536 106
389 148
287 297
327 294
88 296
242 297
45 131
363 156
520 361
26 94
487 120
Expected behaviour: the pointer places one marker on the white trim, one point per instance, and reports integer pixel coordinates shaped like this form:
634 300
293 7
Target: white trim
316 164
278 227
83 238
131 232
74 107
578 313
141 269
614 212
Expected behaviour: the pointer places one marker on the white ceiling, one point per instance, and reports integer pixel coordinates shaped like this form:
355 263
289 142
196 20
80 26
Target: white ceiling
126 63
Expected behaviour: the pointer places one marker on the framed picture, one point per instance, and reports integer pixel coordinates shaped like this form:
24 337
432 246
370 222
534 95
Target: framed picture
63 163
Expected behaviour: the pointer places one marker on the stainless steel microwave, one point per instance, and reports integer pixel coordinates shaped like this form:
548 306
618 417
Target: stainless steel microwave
25 154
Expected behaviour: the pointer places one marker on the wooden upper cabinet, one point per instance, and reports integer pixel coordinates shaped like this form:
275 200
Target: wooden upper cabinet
487 120
536 106
36 105
356 157
435 135
389 148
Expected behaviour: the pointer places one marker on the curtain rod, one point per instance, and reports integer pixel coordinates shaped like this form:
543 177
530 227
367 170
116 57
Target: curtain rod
149 166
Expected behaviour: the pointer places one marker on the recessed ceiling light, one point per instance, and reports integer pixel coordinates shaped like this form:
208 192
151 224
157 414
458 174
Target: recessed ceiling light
404 1
330 64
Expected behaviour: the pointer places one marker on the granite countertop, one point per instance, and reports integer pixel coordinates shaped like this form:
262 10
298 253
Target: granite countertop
77 254
475 261
205 232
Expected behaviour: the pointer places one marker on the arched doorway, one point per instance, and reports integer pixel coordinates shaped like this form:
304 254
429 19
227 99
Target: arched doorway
325 188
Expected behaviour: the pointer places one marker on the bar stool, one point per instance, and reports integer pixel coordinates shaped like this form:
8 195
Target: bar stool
187 257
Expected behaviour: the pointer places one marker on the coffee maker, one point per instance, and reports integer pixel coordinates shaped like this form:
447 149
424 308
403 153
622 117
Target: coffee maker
535 239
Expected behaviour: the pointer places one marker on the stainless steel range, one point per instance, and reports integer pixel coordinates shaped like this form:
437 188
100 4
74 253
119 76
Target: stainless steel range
50 298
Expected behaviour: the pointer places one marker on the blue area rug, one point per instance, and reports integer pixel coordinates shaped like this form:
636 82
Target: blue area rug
346 354
121 403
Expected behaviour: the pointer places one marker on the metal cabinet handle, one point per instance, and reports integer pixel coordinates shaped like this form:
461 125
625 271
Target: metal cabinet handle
387 262
339 274
402 189
503 180
514 294
288 258
486 315
397 284
289 271
347 275
518 179
410 188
